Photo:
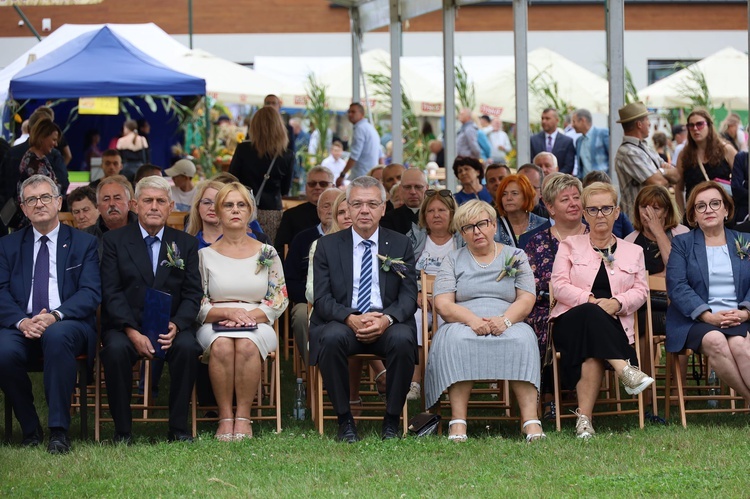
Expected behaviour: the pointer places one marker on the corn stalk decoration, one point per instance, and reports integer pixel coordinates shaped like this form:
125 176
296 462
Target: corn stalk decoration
631 92
547 93
696 87
416 153
464 88
316 110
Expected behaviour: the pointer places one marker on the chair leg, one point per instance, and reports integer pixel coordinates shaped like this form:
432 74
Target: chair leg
83 394
556 382
8 419
276 390
319 400
680 392
194 410
97 397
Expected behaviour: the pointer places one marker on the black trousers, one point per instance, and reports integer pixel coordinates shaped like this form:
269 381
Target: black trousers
118 357
397 346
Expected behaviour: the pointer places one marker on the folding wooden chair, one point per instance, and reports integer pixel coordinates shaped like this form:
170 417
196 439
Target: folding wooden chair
612 396
65 217
267 405
176 220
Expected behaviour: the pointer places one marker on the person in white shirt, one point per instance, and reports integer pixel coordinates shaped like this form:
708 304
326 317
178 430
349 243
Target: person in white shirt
334 161
24 133
499 141
183 191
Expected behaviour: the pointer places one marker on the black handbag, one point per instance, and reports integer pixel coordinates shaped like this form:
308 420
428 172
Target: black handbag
423 424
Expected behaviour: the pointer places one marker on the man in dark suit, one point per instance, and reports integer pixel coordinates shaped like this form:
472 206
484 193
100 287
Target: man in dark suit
550 139
49 291
413 186
360 307
136 258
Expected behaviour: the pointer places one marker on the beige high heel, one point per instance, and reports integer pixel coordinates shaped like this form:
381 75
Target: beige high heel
225 437
243 436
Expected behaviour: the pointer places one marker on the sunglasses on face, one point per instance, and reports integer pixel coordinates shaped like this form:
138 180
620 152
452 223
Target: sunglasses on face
321 183
442 192
698 125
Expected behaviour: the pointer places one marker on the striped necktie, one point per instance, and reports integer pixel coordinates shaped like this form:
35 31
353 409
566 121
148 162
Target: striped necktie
365 279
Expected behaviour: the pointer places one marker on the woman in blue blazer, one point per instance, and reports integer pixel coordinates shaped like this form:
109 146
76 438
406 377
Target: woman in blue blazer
708 283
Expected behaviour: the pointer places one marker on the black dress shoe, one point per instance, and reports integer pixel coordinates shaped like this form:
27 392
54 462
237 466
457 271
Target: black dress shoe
347 432
123 438
179 436
34 439
59 443
389 431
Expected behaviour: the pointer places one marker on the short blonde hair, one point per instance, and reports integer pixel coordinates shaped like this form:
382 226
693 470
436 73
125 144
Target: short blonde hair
599 188
471 210
557 182
244 193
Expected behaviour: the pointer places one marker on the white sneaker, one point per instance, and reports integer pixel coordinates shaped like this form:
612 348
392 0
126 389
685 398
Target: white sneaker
584 429
415 391
634 380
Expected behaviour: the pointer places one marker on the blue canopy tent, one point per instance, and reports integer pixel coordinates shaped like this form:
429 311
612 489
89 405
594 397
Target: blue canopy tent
104 64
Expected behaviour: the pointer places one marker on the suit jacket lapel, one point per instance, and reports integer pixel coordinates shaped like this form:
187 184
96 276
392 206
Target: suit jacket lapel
136 247
27 255
63 249
384 247
347 266
701 257
162 271
735 258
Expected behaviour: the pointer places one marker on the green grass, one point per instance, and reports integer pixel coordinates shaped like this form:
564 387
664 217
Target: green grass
710 457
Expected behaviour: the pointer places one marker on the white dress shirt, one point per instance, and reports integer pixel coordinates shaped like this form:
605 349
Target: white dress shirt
376 303
155 248
54 293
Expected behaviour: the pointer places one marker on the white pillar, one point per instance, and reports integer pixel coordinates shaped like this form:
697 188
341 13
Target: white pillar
356 43
615 15
520 45
395 31
449 153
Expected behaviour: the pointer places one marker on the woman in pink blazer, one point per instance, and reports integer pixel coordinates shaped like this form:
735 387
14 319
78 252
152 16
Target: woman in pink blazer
598 282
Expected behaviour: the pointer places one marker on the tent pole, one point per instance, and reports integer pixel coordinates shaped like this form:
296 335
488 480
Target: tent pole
449 135
190 23
748 44
396 111
26 21
520 43
615 15
356 64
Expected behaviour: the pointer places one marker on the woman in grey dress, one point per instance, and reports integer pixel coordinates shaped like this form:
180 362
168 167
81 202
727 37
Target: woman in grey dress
484 292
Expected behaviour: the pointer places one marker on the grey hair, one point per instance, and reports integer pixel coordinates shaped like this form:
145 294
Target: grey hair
536 168
583 113
393 189
322 169
39 179
365 182
120 180
556 183
544 154
153 182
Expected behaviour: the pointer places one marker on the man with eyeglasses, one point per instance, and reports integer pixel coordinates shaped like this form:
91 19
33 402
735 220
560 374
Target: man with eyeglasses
305 215
413 186
49 292
365 290
636 164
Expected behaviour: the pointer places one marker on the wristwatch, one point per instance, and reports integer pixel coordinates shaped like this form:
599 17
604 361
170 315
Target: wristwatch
57 315
390 320
507 322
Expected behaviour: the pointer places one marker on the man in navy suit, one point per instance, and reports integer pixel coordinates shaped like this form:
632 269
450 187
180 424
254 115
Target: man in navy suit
49 292
136 258
550 139
362 307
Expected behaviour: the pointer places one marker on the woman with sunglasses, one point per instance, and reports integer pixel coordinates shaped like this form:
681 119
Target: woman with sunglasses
432 239
598 283
515 200
483 291
469 173
706 156
708 283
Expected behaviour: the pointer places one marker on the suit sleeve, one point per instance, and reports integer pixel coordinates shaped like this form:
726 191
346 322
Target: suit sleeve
405 304
83 303
192 291
570 158
295 270
10 311
284 233
114 300
679 289
326 306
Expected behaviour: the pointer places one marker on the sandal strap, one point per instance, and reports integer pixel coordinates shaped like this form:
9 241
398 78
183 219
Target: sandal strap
535 436
356 402
456 421
530 422
377 376
244 419
225 419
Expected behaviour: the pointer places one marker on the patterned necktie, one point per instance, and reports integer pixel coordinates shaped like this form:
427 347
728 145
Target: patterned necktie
150 241
365 279
40 288
549 143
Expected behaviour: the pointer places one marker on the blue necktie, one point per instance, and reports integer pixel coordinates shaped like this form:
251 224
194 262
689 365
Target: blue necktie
549 143
150 241
40 288
365 279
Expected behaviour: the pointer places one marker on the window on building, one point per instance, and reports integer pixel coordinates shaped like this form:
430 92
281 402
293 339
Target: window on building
661 68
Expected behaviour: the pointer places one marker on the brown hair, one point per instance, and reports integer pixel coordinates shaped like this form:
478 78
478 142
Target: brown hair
195 222
714 144
527 191
468 161
449 203
132 125
658 195
704 186
268 133
41 130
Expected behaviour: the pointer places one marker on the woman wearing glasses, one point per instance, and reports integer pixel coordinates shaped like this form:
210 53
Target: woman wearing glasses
483 291
708 282
706 156
237 314
432 240
598 282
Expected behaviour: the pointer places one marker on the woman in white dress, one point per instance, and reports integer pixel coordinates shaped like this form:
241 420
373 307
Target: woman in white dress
244 288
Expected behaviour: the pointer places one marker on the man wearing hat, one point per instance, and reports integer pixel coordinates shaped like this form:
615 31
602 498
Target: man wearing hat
183 191
638 165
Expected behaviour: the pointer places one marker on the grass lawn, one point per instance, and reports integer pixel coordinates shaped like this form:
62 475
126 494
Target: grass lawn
709 458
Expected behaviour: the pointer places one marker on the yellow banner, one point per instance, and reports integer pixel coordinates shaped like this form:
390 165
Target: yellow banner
109 106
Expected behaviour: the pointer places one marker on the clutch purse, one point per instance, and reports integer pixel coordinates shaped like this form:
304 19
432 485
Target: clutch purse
226 329
424 424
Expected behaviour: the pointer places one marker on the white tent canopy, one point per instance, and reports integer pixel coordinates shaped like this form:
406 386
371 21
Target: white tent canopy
576 85
726 74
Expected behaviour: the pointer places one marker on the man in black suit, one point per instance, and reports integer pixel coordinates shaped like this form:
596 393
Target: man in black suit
550 139
49 291
136 258
413 186
360 307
